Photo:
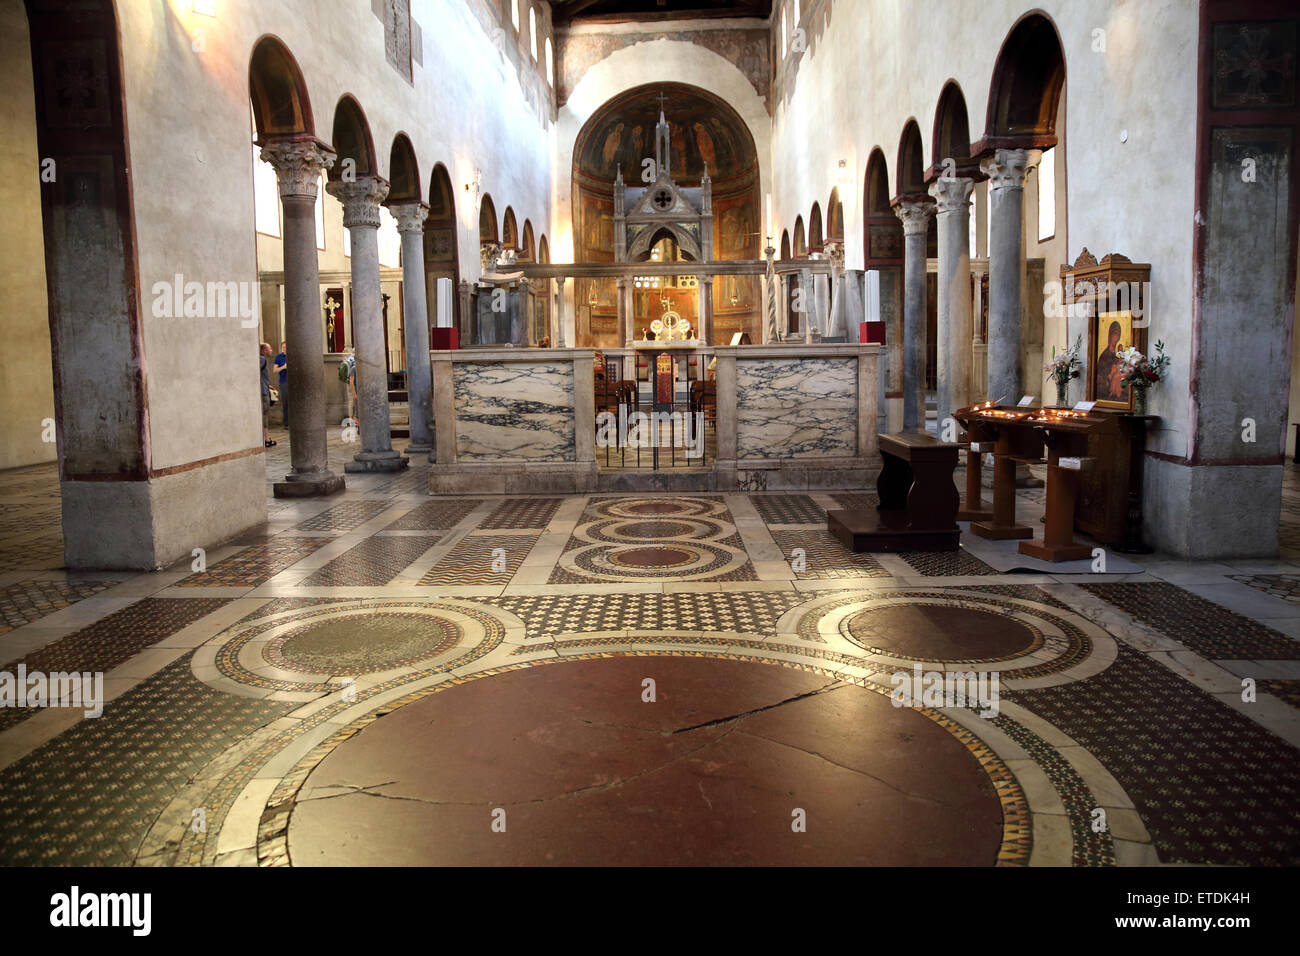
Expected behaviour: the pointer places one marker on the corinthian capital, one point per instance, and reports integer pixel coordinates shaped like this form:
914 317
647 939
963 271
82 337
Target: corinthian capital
361 198
952 195
915 214
410 216
1006 168
298 164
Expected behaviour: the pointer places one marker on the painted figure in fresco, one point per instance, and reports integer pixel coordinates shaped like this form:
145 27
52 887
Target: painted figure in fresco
612 143
705 142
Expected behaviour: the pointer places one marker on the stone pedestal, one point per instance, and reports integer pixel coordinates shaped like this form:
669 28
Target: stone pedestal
954 306
415 321
298 163
915 215
361 200
1006 171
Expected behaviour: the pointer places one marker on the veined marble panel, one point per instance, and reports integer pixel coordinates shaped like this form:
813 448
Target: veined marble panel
796 408
509 411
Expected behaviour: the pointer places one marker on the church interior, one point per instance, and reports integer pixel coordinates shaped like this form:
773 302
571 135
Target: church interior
650 433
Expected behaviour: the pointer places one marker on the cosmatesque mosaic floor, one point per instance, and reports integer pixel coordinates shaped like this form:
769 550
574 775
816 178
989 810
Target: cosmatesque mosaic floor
385 678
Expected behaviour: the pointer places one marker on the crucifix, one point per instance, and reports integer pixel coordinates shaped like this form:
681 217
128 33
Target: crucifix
331 307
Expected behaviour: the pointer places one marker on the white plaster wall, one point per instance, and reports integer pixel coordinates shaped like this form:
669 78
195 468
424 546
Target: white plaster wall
881 62
26 375
189 132
655 61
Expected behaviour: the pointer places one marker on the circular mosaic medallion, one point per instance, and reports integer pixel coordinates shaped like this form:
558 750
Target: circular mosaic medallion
655 508
651 557
361 645
935 632
656 529
1031 642
312 649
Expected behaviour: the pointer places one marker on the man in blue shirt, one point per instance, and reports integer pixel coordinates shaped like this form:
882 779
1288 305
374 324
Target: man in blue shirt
282 363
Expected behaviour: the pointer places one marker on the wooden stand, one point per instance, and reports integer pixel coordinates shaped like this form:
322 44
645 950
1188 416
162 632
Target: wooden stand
918 500
1057 542
974 508
1002 525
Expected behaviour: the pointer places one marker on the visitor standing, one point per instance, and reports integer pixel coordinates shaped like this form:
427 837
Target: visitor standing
264 362
282 363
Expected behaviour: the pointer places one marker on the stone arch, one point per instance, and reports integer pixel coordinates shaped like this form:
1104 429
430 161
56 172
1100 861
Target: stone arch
882 233
487 220
815 238
277 90
640 247
403 172
527 247
351 139
1028 78
835 216
441 244
951 136
800 239
509 230
910 171
785 243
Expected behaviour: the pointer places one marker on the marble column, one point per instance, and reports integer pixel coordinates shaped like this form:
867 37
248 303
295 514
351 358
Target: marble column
361 199
809 313
954 306
626 332
915 215
298 164
835 321
464 322
706 309
558 341
415 319
1006 171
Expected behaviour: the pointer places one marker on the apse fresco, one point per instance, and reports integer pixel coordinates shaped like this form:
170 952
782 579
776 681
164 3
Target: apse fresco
702 129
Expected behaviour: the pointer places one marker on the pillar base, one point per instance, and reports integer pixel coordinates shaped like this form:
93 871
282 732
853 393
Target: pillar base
317 485
419 448
370 461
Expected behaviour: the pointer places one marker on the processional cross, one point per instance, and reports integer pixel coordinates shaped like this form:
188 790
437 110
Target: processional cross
331 307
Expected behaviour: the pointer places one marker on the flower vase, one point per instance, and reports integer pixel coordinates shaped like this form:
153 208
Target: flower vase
1139 401
1061 389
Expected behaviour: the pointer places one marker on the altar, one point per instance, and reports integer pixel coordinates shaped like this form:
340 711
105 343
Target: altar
668 359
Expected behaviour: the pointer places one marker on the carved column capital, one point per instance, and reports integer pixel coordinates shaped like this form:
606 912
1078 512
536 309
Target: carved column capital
915 215
410 216
298 164
1006 168
952 195
835 253
361 199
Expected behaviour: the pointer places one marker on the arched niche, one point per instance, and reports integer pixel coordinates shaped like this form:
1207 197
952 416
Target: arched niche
351 140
